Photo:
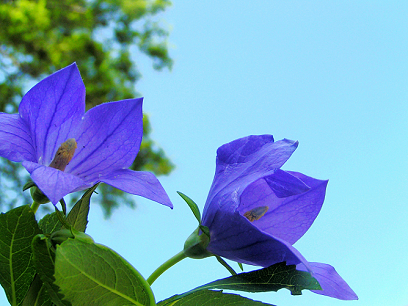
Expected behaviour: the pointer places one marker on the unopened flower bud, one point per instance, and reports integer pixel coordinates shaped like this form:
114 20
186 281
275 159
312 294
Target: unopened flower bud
196 245
38 196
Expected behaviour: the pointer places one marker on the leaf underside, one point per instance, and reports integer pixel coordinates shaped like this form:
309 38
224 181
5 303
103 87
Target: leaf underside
273 278
210 298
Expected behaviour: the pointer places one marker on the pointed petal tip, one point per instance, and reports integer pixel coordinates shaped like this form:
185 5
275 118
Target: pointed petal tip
294 143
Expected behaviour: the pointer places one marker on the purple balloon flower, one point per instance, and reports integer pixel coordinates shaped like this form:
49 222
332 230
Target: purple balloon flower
66 150
255 211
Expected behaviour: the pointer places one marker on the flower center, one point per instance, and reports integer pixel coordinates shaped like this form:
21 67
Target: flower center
64 154
256 213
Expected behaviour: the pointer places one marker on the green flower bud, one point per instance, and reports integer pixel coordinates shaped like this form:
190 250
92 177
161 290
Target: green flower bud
196 245
38 195
61 235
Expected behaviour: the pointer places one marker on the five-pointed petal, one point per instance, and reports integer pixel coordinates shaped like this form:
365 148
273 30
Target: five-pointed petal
108 138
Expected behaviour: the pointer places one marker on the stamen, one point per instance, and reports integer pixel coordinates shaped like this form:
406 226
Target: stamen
256 213
64 154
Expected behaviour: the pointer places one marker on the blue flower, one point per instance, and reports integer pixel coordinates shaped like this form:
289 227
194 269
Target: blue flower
255 211
66 150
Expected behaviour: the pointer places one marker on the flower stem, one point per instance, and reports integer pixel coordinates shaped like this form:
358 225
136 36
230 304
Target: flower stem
168 264
35 206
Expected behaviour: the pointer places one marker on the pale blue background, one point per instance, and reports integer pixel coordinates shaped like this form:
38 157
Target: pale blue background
332 75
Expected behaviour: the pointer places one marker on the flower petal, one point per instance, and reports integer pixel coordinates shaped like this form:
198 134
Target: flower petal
232 236
140 183
254 152
332 283
283 184
53 108
288 218
15 140
238 150
54 183
243 161
108 139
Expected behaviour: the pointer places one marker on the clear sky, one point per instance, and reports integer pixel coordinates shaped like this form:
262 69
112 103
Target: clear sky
332 75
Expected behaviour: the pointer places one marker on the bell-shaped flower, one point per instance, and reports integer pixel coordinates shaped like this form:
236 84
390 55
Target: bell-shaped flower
255 211
66 150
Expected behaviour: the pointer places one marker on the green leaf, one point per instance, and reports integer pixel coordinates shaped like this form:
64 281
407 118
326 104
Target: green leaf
44 259
241 266
49 223
205 230
78 216
193 206
37 294
272 278
29 184
209 298
18 228
92 274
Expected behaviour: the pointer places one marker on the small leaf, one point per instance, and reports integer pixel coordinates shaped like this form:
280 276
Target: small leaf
49 223
18 228
92 274
193 206
78 216
225 265
241 266
209 298
28 185
205 230
272 278
44 259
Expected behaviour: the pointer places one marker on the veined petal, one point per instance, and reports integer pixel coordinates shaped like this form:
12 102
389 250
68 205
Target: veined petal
142 183
332 283
239 150
52 109
254 151
108 139
283 184
240 241
54 183
15 140
291 217
243 161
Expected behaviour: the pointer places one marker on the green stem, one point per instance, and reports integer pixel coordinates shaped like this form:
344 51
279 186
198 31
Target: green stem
168 264
35 206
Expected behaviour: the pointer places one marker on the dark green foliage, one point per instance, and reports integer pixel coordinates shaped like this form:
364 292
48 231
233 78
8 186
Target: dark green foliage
210 298
18 228
40 37
78 216
44 259
273 278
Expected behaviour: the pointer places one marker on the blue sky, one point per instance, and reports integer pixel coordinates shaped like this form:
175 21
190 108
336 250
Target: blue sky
332 75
